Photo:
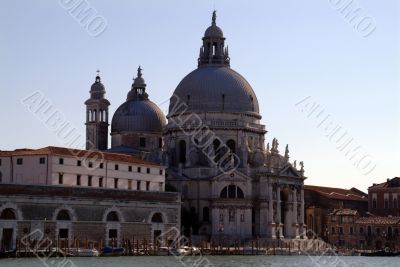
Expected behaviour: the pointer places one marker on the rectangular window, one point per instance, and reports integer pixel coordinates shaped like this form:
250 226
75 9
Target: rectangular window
148 170
63 233
112 233
115 182
159 142
116 167
130 184
20 161
139 169
333 230
340 230
78 180
161 172
60 178
147 186
89 180
79 163
138 185
42 161
351 230
61 161
142 142
101 182
130 168
0 162
101 166
90 164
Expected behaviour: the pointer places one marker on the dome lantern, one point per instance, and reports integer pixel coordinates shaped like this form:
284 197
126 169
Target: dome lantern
138 91
213 51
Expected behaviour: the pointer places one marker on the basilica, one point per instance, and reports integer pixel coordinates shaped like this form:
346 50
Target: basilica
233 183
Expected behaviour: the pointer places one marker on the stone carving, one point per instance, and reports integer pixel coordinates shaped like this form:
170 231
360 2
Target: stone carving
287 152
194 156
258 158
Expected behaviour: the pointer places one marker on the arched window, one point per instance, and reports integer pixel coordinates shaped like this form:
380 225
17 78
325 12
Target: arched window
112 217
218 150
8 214
231 191
63 215
94 116
369 231
232 145
206 214
157 218
182 152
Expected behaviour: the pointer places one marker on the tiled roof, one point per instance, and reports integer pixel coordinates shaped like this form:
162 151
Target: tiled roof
338 193
52 150
344 212
394 182
378 220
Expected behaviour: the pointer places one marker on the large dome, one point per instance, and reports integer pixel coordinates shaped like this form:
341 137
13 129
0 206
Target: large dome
138 116
216 89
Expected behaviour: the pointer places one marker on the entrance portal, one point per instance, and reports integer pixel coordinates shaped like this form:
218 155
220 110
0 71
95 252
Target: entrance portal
6 241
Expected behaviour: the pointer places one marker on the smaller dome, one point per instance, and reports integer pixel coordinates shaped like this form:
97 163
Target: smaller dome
139 117
138 114
214 32
97 86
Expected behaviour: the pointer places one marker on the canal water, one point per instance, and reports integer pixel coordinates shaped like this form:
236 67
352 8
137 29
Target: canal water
212 261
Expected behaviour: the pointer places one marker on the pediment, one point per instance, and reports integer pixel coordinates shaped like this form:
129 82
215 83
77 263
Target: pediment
289 171
231 176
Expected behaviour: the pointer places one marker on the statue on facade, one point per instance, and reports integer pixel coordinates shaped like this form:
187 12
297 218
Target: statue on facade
287 152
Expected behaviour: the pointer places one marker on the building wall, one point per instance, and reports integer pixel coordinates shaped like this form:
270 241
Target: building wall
384 201
32 171
88 210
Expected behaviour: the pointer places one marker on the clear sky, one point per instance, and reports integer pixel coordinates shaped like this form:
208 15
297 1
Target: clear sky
288 50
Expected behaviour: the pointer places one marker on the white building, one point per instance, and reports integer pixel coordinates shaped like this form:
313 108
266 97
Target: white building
71 167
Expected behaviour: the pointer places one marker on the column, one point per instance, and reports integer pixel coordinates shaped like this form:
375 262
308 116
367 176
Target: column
295 223
302 212
188 146
278 206
271 211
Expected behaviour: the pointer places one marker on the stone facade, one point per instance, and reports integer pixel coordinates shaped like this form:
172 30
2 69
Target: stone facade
232 185
68 214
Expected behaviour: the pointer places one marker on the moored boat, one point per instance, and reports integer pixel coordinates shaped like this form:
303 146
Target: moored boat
110 251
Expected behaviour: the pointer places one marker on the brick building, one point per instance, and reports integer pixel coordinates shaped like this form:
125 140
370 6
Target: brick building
321 201
347 229
384 198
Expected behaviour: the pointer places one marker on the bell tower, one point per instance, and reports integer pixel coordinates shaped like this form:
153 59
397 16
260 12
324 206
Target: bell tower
97 117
